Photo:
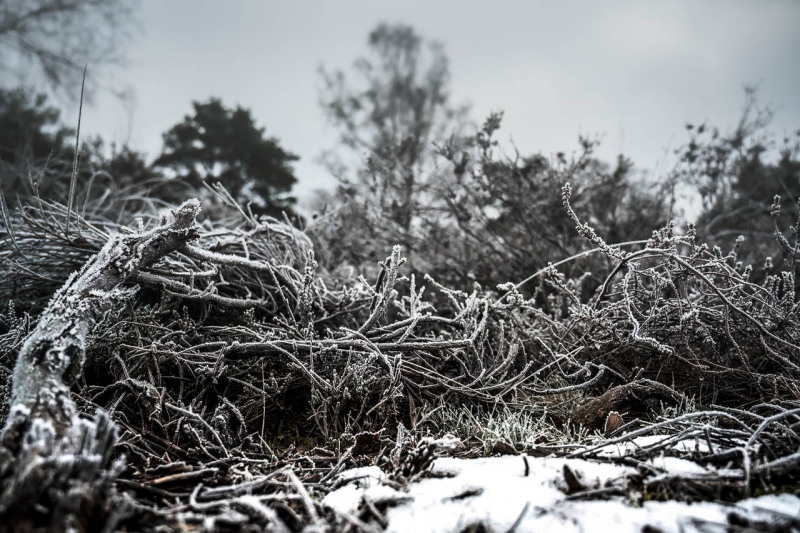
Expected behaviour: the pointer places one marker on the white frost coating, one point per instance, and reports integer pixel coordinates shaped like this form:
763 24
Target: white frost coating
51 458
434 506
53 354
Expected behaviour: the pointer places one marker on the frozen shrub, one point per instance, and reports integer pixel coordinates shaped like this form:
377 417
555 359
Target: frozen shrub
736 174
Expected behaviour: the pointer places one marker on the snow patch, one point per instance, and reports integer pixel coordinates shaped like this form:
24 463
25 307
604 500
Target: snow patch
621 449
497 493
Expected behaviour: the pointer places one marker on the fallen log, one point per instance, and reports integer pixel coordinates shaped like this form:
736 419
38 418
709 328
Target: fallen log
56 468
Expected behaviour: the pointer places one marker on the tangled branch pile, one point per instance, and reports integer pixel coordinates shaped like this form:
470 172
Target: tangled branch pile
242 375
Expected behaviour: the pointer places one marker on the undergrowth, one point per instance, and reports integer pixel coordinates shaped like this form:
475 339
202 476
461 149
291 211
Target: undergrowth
243 354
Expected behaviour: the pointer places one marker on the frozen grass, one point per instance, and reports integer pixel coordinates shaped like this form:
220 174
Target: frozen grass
518 428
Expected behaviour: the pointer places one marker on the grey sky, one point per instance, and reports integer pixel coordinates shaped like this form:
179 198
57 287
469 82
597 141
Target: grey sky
634 71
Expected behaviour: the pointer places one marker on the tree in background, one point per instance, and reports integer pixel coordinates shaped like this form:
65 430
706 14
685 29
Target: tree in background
34 145
462 210
60 37
218 144
389 113
125 165
37 155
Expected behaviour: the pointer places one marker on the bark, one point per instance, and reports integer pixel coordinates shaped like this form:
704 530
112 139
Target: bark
56 468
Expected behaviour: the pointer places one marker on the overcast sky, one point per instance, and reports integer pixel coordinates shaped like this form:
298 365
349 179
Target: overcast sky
633 71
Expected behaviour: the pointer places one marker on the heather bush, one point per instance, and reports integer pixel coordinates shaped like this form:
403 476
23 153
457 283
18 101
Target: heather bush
255 356
504 220
242 350
735 176
492 219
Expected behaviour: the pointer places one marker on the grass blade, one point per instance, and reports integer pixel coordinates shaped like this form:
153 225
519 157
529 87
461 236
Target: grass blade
74 177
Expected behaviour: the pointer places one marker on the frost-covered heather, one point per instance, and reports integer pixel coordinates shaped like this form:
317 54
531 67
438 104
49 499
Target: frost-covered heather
245 373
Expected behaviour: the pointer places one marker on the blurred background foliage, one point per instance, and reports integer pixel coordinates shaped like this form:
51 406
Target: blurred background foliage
413 169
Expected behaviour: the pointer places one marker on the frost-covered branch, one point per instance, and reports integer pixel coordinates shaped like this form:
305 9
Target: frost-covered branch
52 459
52 357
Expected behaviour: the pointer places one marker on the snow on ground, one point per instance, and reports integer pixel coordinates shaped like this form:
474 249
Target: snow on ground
497 493
627 447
